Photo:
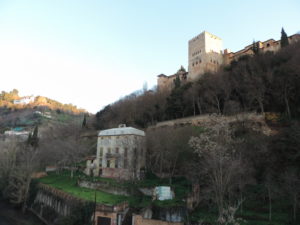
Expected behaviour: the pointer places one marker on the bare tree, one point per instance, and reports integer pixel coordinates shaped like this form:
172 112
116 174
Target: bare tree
19 163
291 184
167 149
63 146
219 159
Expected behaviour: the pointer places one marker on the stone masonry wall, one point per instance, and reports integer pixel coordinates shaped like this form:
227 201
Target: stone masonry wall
139 220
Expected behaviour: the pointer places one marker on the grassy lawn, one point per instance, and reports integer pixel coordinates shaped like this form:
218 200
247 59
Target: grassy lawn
67 184
64 182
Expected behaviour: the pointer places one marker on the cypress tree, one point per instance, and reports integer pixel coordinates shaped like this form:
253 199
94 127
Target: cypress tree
34 138
284 41
29 138
255 48
84 121
177 82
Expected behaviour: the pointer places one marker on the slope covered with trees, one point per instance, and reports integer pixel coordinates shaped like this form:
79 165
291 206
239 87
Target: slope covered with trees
265 82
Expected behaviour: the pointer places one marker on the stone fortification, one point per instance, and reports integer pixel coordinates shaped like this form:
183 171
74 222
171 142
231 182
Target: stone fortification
257 121
205 54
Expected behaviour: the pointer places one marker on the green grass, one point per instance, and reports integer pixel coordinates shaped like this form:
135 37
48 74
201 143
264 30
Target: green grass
67 184
64 182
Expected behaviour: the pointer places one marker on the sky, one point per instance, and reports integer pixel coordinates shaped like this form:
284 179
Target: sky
91 53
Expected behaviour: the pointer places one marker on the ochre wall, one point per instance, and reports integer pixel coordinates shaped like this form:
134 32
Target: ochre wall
139 220
112 216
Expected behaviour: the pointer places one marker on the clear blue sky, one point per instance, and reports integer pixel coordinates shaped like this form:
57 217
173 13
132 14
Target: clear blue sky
90 53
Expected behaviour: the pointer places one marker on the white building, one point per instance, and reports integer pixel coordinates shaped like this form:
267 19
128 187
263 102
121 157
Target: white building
24 100
121 154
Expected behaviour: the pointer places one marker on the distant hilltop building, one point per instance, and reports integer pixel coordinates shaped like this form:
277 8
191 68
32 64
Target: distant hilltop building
205 54
24 100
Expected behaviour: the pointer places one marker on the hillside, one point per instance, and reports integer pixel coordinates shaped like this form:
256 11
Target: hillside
16 115
266 82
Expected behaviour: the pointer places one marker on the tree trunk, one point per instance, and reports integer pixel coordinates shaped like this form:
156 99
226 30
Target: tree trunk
26 194
295 208
194 106
199 106
218 104
241 202
270 204
287 103
261 105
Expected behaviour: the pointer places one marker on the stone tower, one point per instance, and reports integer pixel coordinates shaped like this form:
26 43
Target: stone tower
205 55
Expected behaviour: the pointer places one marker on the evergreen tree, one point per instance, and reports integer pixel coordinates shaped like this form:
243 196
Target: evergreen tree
255 47
177 82
284 41
33 139
84 121
29 138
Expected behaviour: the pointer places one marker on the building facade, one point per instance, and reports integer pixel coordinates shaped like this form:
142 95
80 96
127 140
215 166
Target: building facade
121 153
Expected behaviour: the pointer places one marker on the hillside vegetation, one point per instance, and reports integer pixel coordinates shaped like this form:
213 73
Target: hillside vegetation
267 82
41 111
39 102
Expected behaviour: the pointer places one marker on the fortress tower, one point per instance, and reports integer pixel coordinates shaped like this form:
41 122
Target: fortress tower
205 54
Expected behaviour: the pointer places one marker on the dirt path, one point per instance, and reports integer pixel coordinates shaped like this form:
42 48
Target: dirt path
11 216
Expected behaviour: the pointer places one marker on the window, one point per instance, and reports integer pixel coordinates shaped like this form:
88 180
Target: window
125 152
268 45
116 164
108 163
101 152
109 150
117 150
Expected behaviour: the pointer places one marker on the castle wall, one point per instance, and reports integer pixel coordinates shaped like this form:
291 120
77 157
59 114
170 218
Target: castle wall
139 220
166 82
205 55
